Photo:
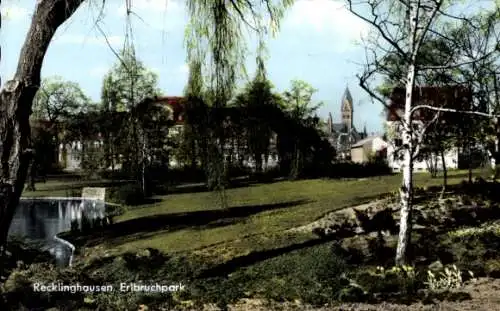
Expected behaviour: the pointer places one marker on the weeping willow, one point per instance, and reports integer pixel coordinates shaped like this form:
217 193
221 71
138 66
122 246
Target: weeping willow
216 50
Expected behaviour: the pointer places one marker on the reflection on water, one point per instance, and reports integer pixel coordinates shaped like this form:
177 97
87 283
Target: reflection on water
41 219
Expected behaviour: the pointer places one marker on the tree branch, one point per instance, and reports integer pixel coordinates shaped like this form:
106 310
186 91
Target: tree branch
440 109
242 16
421 136
379 28
452 66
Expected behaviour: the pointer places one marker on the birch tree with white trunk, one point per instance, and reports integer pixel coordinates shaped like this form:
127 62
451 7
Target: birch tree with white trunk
403 34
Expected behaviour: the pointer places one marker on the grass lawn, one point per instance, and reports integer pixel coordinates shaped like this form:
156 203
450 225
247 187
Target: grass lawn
67 186
257 219
245 251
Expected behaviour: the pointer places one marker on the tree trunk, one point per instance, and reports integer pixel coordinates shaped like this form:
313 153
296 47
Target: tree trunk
469 154
143 164
16 102
406 190
445 171
405 193
32 176
497 125
432 164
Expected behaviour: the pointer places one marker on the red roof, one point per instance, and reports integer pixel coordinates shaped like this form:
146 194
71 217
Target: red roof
455 97
176 103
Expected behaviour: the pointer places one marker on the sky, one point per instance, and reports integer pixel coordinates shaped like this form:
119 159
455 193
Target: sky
317 43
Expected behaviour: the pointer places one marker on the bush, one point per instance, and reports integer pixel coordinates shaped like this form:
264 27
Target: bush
449 278
128 194
404 281
113 210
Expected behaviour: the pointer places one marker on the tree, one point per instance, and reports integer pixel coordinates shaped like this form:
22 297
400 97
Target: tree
55 103
190 149
126 85
58 100
401 29
256 101
214 22
301 111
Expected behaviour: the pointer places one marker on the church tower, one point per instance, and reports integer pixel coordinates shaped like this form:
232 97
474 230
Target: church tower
347 110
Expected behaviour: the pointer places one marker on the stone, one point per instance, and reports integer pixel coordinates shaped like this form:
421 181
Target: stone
94 193
436 266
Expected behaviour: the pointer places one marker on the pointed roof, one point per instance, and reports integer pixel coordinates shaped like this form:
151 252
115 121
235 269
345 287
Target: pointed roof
330 123
347 96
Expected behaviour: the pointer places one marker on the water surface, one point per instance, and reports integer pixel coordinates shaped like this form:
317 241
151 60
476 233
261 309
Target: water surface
40 220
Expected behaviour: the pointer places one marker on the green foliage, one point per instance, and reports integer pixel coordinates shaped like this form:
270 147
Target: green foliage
57 100
113 210
56 103
92 160
257 104
403 279
128 83
299 137
447 278
215 37
298 101
130 194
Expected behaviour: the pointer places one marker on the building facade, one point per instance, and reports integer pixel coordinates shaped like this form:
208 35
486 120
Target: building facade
453 97
367 149
343 135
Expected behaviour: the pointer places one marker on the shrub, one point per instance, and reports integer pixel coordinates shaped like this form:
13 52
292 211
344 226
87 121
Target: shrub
449 278
404 280
113 210
86 224
128 194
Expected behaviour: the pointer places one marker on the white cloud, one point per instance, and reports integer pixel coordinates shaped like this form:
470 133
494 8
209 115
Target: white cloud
14 13
183 69
327 16
99 71
114 41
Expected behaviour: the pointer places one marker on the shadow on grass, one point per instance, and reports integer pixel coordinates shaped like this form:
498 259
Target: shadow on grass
199 220
255 257
240 182
202 187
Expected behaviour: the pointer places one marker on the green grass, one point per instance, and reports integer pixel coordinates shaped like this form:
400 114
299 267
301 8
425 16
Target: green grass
257 226
245 251
70 186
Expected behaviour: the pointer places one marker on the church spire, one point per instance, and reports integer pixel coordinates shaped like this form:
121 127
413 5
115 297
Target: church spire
347 97
347 110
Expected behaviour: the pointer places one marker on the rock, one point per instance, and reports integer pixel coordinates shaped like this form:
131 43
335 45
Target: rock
436 266
143 253
94 193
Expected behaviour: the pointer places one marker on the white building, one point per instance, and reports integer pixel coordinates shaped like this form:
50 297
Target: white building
421 164
447 97
365 149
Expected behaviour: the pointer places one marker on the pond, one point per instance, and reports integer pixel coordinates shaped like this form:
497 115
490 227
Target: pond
40 220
